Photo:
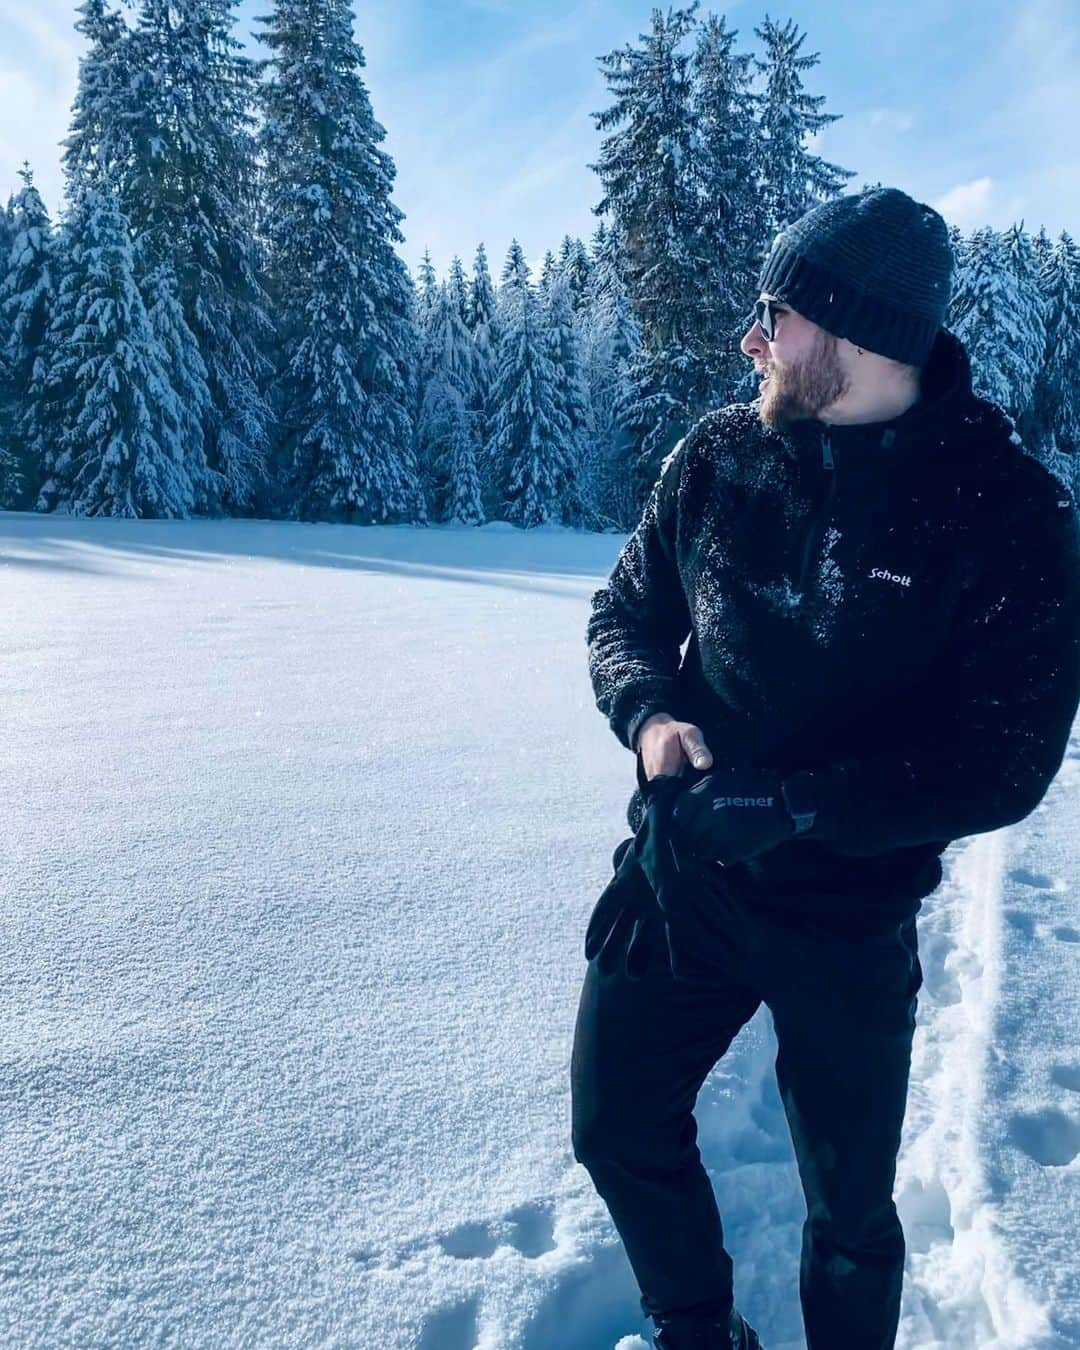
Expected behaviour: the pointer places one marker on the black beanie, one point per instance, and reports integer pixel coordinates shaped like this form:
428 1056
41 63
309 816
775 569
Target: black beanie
874 267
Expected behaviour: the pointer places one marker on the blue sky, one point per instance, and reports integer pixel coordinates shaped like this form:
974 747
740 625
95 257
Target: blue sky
970 105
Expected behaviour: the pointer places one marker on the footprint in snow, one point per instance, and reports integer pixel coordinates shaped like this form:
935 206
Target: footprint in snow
1026 877
453 1328
529 1229
1049 1137
1066 1076
1021 921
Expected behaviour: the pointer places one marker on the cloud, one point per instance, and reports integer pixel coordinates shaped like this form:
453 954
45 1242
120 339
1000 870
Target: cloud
967 204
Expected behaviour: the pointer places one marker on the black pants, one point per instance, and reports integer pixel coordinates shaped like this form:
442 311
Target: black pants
843 1002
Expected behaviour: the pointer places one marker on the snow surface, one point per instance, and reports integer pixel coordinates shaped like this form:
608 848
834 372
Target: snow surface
303 827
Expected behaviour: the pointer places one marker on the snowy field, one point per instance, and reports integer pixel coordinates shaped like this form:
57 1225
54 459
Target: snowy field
303 826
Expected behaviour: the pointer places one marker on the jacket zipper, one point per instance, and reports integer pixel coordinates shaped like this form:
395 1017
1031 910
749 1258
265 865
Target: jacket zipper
817 527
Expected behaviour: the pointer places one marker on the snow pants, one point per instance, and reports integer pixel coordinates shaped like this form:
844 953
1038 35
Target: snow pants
842 1000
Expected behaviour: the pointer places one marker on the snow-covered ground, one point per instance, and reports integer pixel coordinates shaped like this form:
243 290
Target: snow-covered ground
302 827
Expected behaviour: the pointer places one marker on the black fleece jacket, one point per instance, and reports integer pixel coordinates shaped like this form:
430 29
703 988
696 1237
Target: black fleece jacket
890 610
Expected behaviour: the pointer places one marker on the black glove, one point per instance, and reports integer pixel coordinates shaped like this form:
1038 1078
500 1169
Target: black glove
629 910
670 875
732 814
626 913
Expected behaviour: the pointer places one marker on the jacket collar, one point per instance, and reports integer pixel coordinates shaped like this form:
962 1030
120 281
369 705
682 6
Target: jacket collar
946 424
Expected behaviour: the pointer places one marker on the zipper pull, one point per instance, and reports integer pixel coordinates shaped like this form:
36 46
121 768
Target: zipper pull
826 451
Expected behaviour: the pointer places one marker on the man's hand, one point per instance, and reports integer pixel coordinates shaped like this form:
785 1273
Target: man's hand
665 745
730 815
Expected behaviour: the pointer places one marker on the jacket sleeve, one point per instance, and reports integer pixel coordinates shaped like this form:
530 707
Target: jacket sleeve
640 618
998 723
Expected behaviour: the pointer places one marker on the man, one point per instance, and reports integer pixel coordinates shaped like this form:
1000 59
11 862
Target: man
881 592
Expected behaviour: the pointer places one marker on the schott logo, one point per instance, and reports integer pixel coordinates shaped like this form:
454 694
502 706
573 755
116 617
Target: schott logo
890 576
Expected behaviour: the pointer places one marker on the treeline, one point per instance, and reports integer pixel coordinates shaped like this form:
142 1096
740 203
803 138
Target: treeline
220 323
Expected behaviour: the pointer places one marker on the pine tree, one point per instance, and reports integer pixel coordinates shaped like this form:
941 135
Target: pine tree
481 308
576 266
571 398
116 448
957 299
9 476
427 290
1051 428
348 336
187 376
27 297
514 279
1023 326
465 504
792 180
647 175
728 203
481 319
548 272
986 293
188 185
7 235
100 138
445 431
458 287
530 433
609 339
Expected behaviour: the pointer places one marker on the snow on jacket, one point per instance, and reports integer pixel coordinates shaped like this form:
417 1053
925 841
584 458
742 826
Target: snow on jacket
892 609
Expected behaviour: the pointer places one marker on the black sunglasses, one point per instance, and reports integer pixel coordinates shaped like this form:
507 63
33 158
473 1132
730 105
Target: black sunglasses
766 312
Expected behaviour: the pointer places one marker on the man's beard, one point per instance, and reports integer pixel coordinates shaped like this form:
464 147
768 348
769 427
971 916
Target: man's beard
801 390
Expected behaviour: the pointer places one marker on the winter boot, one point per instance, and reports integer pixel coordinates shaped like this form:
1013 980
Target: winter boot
695 1331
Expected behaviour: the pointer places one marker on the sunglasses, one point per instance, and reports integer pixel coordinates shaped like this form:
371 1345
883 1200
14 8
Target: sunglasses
766 312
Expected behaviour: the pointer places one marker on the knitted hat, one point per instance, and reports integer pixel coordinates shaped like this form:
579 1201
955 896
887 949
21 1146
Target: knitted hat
874 267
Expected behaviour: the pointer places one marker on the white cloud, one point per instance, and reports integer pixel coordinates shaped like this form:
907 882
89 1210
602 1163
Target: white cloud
967 205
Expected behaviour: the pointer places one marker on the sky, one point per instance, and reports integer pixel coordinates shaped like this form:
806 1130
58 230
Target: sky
969 105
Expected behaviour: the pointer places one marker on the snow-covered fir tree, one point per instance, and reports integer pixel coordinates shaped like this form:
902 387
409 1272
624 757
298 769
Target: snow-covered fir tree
27 297
728 203
100 138
514 279
446 429
576 265
345 295
530 437
1023 327
464 502
645 168
187 183
481 308
985 292
1051 427
427 286
482 321
792 180
548 272
609 338
116 446
457 285
178 352
9 478
7 234
571 396
1041 247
